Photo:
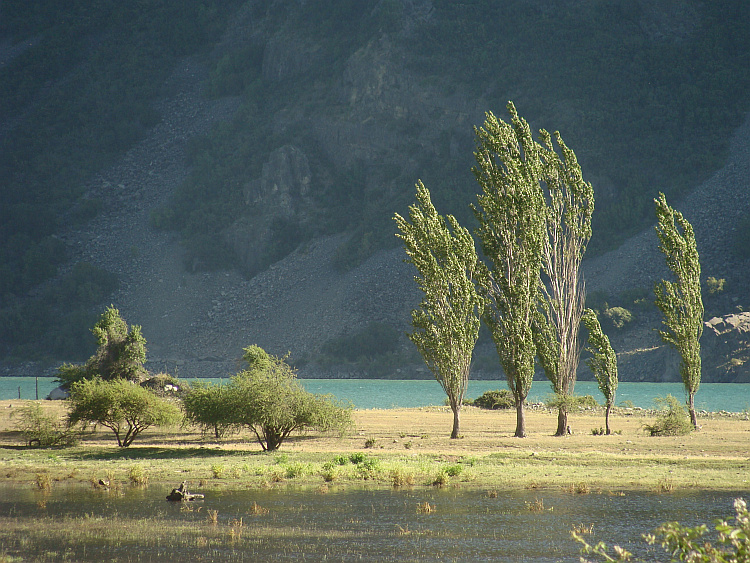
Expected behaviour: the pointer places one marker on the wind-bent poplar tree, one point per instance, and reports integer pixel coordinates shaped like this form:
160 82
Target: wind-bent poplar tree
603 361
680 301
446 323
570 206
511 211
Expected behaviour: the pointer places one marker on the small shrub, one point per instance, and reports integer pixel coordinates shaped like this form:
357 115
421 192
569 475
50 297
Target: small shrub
598 431
673 420
217 470
714 285
498 399
401 478
330 472
441 479
357 457
340 460
137 475
42 430
580 488
618 316
408 445
296 470
454 470
370 442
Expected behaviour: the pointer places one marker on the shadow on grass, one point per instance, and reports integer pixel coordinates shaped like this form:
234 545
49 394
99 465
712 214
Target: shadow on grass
150 452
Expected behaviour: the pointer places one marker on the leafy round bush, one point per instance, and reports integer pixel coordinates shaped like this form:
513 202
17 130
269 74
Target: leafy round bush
497 399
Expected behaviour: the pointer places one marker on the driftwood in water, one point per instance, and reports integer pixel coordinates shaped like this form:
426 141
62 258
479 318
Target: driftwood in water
181 494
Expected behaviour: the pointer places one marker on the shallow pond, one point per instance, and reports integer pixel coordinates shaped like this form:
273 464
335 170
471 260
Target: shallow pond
338 525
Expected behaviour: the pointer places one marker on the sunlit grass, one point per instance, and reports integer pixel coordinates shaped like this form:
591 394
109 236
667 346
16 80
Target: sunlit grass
487 458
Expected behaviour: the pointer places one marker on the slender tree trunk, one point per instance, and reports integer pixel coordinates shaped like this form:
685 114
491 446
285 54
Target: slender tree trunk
456 421
606 419
520 420
691 409
562 421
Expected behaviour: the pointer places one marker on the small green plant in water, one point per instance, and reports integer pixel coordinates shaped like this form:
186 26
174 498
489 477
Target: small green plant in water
137 475
43 482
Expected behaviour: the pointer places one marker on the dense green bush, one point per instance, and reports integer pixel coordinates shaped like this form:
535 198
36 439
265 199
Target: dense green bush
618 317
499 399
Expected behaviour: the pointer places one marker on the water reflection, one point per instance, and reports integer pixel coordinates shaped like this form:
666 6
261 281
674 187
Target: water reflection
354 525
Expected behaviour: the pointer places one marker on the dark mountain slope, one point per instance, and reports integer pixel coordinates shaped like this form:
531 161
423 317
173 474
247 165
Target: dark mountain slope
252 201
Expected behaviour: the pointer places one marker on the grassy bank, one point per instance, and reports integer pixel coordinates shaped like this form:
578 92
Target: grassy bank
403 448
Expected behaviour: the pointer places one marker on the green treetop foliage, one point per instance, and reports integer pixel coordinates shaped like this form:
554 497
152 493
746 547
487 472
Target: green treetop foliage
568 213
267 399
121 353
446 323
510 212
680 300
603 361
123 406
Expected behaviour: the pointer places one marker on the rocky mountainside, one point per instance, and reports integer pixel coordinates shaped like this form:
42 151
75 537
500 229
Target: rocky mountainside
381 117
196 324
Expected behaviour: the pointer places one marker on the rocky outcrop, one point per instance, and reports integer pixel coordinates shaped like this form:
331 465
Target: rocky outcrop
279 199
725 348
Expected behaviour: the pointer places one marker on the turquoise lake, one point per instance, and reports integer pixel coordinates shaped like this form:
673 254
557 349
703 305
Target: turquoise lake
387 393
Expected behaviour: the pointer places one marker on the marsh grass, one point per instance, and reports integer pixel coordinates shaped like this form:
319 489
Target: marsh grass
537 506
43 482
137 475
212 516
425 508
580 488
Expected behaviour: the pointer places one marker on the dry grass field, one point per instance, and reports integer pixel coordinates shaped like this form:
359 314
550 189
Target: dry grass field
407 447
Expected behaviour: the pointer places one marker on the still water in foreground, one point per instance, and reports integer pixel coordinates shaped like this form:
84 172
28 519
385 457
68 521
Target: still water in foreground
83 524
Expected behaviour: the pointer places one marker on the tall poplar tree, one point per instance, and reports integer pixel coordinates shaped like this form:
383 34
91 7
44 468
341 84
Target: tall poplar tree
603 362
570 206
446 323
511 211
680 301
